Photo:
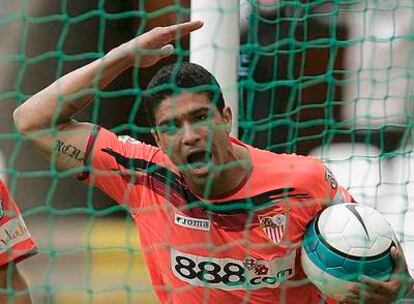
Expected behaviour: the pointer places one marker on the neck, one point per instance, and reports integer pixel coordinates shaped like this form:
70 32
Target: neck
230 177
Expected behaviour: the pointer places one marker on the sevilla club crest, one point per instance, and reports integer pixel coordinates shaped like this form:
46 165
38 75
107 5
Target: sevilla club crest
274 226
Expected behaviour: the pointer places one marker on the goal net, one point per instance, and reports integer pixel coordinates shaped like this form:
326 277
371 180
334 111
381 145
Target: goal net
332 79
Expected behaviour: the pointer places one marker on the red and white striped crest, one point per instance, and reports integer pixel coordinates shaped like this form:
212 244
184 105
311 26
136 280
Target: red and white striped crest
273 226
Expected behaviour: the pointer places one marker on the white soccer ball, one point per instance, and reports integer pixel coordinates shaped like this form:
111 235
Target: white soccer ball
343 242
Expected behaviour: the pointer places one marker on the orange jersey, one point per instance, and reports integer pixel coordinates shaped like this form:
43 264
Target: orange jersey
242 248
15 240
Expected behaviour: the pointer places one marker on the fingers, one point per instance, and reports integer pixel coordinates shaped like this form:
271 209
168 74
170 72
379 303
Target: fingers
374 291
166 51
161 36
182 29
364 296
395 254
399 261
372 284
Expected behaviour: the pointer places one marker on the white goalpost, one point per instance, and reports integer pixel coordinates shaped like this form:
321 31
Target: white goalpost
216 46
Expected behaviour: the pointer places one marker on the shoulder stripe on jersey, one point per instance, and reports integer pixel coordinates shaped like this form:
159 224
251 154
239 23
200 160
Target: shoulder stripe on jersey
88 153
167 177
158 178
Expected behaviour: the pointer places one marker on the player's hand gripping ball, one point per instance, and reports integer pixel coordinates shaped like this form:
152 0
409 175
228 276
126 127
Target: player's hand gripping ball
343 242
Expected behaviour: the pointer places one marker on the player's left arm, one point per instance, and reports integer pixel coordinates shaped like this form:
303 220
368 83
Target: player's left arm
13 286
370 290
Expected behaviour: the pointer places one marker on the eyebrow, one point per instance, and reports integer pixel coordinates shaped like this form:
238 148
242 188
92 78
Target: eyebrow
166 122
170 121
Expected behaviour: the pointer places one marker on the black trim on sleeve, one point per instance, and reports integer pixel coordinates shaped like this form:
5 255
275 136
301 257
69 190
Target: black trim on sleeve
88 153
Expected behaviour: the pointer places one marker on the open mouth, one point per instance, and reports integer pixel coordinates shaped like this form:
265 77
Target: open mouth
199 160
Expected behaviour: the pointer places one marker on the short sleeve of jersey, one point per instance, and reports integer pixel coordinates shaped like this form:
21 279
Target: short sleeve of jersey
327 187
115 163
16 242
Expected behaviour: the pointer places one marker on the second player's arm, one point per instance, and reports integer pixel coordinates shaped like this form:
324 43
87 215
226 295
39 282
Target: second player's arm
13 285
46 118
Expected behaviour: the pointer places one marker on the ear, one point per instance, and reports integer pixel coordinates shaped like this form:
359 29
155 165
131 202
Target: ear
156 137
227 117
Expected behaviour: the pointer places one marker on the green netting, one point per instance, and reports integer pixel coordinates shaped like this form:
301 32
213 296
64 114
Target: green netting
328 78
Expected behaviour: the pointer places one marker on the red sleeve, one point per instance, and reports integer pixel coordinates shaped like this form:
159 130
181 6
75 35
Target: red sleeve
115 163
342 196
338 194
325 187
16 242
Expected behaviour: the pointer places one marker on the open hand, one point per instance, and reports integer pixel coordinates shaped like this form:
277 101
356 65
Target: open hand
150 47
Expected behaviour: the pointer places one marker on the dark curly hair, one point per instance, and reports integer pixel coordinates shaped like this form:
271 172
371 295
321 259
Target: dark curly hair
178 78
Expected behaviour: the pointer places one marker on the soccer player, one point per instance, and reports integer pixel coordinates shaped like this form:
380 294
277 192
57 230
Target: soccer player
219 221
16 244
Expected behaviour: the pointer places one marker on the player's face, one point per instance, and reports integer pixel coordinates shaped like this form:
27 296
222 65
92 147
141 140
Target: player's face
194 134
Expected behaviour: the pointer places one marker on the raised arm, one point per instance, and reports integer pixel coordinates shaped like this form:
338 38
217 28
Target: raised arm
46 118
